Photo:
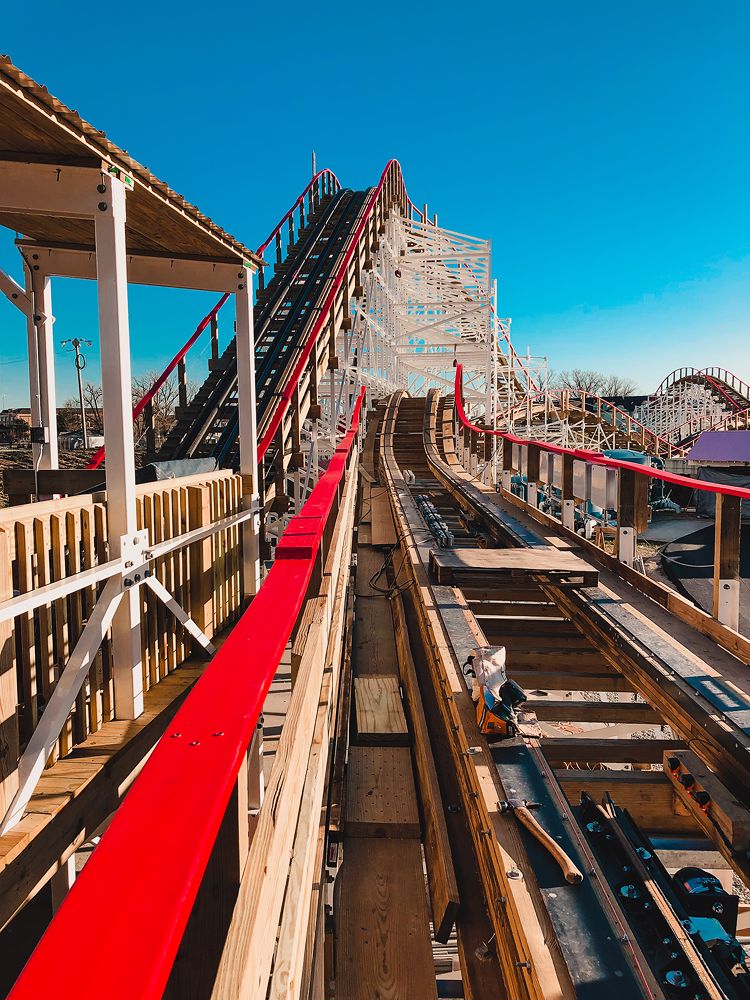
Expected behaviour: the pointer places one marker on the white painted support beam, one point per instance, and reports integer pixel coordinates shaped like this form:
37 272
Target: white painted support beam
42 394
181 615
247 416
15 294
61 700
112 283
143 269
62 881
626 546
49 189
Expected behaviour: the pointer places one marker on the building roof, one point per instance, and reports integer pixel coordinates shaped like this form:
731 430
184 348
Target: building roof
722 446
36 127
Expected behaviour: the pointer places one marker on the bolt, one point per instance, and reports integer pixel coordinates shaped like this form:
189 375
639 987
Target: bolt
101 188
128 582
175 736
220 733
102 206
135 540
14 295
137 577
195 743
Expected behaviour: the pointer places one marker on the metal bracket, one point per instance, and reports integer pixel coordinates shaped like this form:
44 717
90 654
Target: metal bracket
135 554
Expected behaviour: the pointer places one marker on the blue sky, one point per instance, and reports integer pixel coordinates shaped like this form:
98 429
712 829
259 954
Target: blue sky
602 146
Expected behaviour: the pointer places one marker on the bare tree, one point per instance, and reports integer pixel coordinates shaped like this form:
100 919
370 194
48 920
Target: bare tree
619 385
585 379
92 400
589 380
163 403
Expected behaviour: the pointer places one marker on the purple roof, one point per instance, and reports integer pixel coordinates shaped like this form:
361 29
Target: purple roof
721 446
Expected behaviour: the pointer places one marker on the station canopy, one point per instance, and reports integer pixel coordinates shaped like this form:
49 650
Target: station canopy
37 128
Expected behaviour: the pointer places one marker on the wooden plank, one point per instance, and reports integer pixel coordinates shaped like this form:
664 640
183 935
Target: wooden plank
441 875
577 749
383 530
381 799
547 562
557 680
8 691
382 923
647 795
725 813
379 717
569 710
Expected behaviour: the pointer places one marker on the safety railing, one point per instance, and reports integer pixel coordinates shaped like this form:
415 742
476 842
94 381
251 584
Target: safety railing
138 890
579 476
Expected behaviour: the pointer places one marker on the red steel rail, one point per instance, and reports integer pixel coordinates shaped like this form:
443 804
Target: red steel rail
135 897
594 457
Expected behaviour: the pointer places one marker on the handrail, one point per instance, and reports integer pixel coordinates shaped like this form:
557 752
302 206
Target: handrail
300 201
595 457
129 887
323 316
140 406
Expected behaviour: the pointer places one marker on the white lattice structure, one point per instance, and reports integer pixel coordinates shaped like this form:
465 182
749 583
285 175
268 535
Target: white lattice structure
427 304
684 409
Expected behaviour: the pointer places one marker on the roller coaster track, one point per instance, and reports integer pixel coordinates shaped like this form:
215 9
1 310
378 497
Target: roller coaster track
691 400
574 417
189 899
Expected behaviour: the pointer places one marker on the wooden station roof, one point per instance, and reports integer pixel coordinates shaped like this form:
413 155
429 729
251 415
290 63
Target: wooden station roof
36 127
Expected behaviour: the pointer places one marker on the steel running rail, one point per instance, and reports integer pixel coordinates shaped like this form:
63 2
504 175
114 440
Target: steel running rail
330 182
181 795
286 396
595 457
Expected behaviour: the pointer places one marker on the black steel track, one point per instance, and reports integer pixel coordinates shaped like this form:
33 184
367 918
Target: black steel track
209 427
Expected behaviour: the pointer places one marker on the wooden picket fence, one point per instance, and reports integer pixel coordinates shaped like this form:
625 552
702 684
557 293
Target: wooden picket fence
45 542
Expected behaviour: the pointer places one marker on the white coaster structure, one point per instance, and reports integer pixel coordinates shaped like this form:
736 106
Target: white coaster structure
427 304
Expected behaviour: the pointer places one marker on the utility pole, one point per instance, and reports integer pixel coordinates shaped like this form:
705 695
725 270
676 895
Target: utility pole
80 362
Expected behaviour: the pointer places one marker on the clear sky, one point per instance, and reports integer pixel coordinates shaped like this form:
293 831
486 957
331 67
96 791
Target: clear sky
602 146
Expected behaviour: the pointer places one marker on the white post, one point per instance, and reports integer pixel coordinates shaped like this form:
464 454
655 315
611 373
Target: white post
247 415
117 404
62 881
569 514
42 368
626 546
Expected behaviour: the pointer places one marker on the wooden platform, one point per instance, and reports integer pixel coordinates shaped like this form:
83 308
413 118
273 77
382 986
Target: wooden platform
543 563
381 797
383 947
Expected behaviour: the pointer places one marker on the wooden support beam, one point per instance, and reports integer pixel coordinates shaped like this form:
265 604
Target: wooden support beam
557 680
576 749
727 538
568 710
647 795
632 512
440 873
9 739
